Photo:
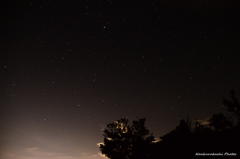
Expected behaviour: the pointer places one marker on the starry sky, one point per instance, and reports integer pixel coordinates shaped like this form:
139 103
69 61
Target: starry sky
68 68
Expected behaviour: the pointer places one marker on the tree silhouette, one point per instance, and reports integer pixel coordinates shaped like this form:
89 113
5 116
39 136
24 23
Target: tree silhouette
219 122
198 128
124 141
233 106
178 141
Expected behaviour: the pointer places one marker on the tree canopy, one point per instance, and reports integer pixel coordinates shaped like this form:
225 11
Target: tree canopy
233 105
125 141
217 134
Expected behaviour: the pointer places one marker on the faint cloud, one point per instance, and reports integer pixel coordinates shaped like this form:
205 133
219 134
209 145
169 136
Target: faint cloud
156 140
90 156
103 156
204 121
99 144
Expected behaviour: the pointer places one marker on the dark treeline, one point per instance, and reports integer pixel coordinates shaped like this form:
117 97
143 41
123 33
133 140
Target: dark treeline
217 137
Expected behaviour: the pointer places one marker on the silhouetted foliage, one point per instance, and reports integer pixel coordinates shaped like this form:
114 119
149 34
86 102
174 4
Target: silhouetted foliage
233 106
177 142
124 141
215 135
199 128
219 122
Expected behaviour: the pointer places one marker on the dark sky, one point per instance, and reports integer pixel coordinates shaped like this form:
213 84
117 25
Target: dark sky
68 68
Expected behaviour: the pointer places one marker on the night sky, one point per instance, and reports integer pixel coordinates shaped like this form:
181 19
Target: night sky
69 68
